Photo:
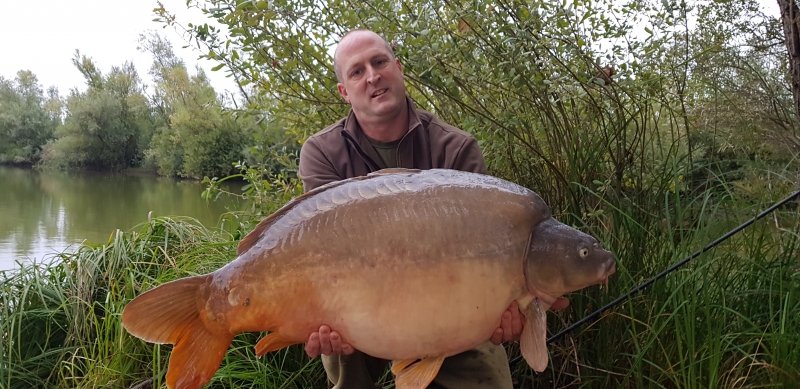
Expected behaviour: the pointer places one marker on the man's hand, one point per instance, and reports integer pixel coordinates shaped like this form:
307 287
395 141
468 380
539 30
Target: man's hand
326 342
513 321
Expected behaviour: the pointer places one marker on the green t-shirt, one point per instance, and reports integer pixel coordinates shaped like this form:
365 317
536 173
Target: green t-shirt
387 151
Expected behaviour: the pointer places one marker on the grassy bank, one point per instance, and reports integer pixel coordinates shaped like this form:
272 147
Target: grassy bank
61 319
730 319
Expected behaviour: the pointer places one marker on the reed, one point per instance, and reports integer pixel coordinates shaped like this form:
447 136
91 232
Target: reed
729 319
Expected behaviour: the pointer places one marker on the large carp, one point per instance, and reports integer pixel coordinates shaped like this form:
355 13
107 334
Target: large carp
407 265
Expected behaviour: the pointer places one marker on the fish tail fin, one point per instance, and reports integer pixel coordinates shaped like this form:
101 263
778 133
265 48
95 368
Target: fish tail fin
169 314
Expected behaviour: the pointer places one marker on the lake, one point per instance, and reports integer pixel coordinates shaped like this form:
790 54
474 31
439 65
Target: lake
46 212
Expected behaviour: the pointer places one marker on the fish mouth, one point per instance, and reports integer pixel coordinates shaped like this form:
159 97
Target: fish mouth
611 269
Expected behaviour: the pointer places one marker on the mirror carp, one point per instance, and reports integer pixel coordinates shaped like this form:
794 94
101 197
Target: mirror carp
407 265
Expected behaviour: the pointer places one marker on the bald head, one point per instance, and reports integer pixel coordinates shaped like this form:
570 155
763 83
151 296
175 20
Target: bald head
351 35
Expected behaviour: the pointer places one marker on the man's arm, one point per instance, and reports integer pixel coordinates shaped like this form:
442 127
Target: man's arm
469 157
315 167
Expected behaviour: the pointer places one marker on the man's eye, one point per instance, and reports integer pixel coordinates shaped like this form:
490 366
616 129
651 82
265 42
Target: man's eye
355 72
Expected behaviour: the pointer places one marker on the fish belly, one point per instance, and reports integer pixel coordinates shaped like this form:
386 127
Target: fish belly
419 312
402 266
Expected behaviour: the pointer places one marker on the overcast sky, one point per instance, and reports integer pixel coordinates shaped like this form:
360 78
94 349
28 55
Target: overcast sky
42 36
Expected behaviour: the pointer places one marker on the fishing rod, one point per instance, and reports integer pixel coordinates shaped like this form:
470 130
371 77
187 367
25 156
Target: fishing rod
672 268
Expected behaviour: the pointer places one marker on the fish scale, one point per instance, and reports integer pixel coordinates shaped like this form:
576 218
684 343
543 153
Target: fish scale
405 265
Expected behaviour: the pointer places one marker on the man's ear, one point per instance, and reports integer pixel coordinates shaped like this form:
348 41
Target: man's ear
343 92
399 65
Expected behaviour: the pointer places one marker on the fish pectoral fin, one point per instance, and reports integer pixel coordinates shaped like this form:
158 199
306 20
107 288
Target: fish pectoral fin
410 374
272 342
533 341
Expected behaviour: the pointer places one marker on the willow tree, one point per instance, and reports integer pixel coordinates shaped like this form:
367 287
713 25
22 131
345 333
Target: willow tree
28 118
104 124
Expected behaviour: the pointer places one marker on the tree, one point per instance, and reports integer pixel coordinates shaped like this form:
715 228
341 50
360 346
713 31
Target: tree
521 76
193 138
103 126
27 118
790 16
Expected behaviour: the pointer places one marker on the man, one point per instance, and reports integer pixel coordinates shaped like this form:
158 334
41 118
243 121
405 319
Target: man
384 130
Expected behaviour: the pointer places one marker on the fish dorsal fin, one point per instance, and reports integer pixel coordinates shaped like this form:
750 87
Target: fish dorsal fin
533 341
393 170
410 375
254 235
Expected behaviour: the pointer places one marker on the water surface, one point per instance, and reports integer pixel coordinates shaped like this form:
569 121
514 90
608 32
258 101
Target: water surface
46 212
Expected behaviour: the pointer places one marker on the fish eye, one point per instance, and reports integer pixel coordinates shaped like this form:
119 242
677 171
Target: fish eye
584 252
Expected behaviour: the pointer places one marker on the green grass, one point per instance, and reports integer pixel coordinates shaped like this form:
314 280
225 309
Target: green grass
729 319
61 324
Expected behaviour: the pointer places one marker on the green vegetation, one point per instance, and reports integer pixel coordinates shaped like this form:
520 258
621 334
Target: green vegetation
61 320
182 129
104 125
27 118
694 133
730 319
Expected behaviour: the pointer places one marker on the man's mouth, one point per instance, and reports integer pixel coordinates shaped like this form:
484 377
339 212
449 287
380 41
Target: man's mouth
379 92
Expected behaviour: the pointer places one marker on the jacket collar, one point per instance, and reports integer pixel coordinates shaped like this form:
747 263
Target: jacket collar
353 129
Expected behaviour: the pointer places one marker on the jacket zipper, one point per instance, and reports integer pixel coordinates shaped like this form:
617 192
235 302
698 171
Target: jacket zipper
370 162
398 162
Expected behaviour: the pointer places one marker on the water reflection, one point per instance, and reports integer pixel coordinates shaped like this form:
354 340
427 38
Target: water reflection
43 212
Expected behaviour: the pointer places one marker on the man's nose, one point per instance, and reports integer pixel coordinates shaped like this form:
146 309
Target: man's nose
372 75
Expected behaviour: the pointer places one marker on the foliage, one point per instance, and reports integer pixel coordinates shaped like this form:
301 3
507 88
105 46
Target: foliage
656 142
736 101
271 181
182 129
60 323
193 137
103 125
27 118
727 320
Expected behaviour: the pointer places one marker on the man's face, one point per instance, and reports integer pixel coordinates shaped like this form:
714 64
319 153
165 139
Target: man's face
372 81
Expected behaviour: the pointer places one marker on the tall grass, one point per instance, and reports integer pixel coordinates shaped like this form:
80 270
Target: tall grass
729 319
61 326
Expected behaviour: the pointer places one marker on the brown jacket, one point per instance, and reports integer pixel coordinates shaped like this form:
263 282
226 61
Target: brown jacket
342 150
